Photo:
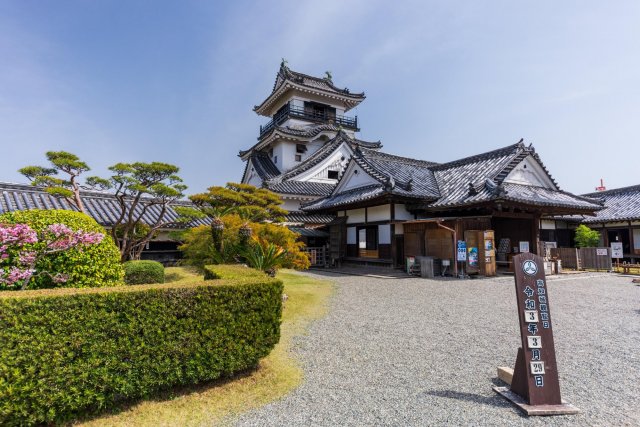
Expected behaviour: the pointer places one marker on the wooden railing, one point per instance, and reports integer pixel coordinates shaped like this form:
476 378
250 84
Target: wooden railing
322 116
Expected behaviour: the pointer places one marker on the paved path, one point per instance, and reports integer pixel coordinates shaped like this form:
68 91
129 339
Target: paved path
424 352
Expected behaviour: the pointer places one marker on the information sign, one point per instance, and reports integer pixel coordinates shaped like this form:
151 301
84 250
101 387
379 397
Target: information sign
601 251
524 247
616 250
535 387
462 251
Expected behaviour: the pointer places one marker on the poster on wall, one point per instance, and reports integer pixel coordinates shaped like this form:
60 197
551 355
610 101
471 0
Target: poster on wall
473 257
462 250
616 250
524 247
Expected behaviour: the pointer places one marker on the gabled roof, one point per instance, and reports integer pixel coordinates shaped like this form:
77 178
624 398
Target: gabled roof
464 182
325 151
305 133
263 166
396 176
103 207
289 79
620 204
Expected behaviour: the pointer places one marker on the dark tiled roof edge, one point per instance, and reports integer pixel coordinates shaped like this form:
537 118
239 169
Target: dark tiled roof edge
500 152
621 190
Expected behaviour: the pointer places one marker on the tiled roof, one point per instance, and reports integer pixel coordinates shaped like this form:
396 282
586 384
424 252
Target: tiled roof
297 217
305 132
287 77
546 197
620 204
102 207
262 164
303 188
403 176
454 177
469 181
345 198
309 232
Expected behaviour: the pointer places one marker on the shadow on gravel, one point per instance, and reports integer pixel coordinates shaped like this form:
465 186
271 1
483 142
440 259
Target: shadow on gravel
495 400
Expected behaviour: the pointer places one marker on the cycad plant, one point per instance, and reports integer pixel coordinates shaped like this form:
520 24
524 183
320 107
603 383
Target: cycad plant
264 256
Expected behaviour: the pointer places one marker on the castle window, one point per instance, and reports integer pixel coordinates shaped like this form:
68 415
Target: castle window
275 160
333 174
301 148
298 158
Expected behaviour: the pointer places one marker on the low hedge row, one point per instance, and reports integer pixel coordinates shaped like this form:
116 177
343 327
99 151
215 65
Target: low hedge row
143 272
232 272
70 352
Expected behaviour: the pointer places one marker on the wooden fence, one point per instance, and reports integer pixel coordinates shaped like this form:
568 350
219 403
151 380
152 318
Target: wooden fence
584 258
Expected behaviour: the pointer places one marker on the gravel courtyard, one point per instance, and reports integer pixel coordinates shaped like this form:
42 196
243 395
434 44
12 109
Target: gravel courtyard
424 352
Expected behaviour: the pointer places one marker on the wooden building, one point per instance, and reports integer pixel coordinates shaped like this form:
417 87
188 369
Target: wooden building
619 221
390 207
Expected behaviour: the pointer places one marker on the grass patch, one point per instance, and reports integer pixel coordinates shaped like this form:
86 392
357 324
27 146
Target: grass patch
219 402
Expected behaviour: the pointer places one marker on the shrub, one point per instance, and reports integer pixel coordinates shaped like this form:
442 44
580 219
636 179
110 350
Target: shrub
231 272
142 272
91 266
586 237
198 248
71 352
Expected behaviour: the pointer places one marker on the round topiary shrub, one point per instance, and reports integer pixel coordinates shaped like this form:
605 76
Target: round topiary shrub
143 272
89 266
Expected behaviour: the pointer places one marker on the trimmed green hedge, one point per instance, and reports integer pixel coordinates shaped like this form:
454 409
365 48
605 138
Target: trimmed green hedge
231 271
143 272
70 352
91 266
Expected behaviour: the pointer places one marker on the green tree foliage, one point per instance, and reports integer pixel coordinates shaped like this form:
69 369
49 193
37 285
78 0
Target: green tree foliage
141 189
91 266
252 204
199 250
68 187
586 237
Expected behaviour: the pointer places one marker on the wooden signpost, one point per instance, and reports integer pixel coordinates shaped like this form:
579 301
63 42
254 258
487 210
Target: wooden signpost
535 387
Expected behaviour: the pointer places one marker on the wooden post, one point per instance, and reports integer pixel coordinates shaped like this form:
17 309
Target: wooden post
535 387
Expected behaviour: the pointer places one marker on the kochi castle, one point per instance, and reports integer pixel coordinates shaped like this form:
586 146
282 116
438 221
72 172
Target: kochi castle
305 146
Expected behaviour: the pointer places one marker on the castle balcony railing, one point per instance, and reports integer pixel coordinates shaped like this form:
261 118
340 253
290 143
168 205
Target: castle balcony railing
317 116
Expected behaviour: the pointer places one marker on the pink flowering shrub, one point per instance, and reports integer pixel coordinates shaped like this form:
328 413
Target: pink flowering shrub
56 248
18 258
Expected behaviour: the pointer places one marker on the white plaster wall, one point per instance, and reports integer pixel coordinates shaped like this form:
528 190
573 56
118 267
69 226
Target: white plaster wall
529 172
291 205
402 213
356 178
384 234
355 216
547 224
379 213
351 236
399 229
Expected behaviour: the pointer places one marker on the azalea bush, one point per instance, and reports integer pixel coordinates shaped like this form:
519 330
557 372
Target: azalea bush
19 256
56 248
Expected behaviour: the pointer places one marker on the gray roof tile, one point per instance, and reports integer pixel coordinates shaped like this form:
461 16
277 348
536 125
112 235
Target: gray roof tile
620 204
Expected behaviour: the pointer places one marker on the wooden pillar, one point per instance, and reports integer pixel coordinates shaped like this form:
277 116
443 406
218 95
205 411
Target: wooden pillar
605 236
535 238
632 251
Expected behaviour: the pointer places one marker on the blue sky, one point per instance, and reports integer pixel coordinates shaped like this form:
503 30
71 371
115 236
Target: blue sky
176 81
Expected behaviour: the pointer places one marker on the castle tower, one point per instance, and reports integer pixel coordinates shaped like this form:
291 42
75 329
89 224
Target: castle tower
309 139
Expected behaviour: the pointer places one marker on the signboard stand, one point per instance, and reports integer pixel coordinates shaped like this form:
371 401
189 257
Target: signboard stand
535 387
